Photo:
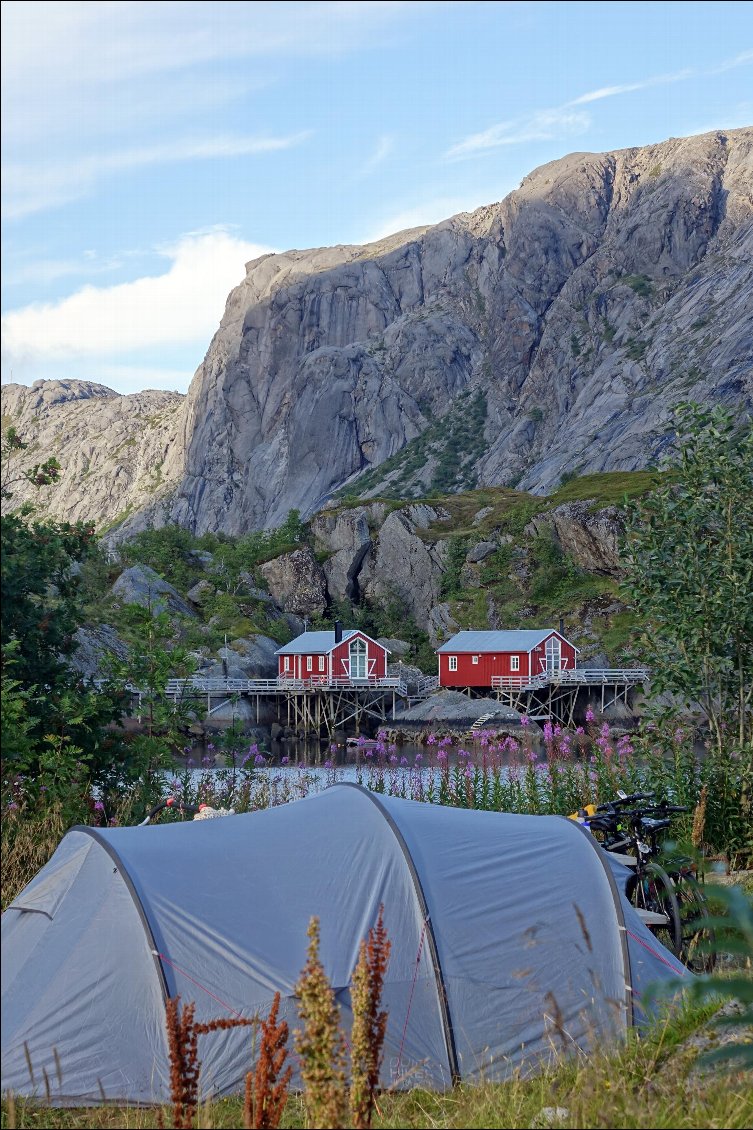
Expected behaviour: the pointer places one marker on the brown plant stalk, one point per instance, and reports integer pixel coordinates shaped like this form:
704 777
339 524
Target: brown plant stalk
182 1041
699 818
266 1088
369 1023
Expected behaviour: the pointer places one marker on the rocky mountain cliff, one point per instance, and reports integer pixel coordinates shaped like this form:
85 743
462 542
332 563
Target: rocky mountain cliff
548 334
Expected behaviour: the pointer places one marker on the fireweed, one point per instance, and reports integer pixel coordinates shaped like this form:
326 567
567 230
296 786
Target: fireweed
554 772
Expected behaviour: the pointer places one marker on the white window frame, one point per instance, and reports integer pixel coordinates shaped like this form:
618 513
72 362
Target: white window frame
358 654
553 654
474 659
514 662
287 662
309 662
452 662
321 663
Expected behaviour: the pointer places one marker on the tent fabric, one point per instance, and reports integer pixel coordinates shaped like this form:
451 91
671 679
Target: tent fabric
511 936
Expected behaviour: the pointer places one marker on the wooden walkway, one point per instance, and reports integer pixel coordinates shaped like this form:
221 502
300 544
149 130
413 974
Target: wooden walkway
315 705
320 705
554 694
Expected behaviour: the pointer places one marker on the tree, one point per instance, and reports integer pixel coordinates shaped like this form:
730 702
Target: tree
39 475
155 656
65 737
690 571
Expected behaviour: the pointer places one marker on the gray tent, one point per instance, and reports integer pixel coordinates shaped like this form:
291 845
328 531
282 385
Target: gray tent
510 939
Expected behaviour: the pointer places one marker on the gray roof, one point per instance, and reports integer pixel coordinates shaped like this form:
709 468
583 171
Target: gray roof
318 643
525 640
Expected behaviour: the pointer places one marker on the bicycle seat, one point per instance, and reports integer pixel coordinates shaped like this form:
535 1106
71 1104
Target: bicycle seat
652 824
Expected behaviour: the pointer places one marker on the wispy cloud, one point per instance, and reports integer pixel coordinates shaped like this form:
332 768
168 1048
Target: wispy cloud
735 117
44 271
742 59
384 146
629 87
76 74
27 191
182 305
545 125
566 121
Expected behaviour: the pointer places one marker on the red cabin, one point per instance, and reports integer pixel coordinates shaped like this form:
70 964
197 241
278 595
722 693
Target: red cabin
348 656
472 659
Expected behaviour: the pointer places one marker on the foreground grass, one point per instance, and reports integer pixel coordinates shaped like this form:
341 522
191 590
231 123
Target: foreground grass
657 1082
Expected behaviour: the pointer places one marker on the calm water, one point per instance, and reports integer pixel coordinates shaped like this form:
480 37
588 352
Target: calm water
297 769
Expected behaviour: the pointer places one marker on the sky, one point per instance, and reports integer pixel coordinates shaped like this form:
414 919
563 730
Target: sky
150 150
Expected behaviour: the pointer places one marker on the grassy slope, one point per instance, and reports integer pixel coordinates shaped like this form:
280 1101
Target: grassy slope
549 585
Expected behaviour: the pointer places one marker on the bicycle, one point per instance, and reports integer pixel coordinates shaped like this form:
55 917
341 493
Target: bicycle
670 901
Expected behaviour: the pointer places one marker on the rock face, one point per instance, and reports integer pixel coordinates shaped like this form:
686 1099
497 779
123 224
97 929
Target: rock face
121 455
97 647
297 583
406 565
591 538
346 536
142 585
603 291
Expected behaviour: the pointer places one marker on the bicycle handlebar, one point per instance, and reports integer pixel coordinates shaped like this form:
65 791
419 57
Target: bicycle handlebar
623 801
171 802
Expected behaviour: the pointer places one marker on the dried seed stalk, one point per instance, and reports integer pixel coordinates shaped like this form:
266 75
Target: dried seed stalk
182 1040
267 1086
320 1043
369 1023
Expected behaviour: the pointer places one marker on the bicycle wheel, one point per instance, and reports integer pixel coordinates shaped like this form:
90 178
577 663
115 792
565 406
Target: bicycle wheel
652 893
697 935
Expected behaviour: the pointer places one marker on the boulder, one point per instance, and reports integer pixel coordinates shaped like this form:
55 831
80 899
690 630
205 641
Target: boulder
408 564
346 538
297 583
97 647
450 709
140 584
590 537
200 592
480 551
258 655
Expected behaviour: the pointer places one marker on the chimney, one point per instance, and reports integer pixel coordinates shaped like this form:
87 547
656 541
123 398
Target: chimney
562 626
338 632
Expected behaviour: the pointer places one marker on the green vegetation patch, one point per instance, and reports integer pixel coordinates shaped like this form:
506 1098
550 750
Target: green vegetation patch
440 460
606 488
641 284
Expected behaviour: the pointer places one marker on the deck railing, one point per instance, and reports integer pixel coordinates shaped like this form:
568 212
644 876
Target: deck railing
578 675
198 684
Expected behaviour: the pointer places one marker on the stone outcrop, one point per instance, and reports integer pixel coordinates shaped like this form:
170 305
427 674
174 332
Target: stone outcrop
590 537
296 582
346 536
140 584
97 647
121 456
584 306
405 565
